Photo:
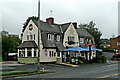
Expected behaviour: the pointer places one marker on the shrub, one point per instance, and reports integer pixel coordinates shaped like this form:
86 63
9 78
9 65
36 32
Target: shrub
116 56
71 42
101 59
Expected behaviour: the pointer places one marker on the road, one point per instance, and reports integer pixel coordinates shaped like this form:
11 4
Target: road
83 71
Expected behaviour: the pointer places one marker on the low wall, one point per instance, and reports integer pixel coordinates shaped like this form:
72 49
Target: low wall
115 59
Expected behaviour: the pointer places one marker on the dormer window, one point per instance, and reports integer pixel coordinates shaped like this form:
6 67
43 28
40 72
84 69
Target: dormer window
58 37
81 40
50 37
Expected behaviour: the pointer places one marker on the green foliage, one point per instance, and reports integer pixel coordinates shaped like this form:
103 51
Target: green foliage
1 59
12 73
101 59
116 56
27 21
96 34
108 50
71 42
93 31
9 44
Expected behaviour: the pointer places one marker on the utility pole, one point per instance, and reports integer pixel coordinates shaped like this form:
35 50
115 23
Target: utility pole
38 35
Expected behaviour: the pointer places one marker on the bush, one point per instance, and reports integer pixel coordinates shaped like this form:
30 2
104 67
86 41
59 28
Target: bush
116 56
101 59
71 42
108 50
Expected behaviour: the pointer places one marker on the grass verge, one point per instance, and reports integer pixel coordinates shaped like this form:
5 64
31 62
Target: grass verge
20 72
12 73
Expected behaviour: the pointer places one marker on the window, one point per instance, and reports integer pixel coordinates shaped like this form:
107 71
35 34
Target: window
58 54
27 37
49 36
52 37
35 52
34 36
30 37
54 54
58 37
51 53
22 53
71 38
118 43
81 40
29 53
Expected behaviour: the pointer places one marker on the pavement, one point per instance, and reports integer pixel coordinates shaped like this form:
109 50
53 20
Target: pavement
67 64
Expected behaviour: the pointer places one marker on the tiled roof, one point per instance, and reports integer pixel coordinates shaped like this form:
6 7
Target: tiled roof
28 44
83 33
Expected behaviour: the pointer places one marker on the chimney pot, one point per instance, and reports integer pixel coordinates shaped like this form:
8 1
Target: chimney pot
75 25
50 20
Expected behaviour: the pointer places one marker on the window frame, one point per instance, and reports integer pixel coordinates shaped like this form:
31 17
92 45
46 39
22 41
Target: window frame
71 38
58 37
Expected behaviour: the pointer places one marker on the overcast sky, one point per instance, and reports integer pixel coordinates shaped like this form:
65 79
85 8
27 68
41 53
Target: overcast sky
103 12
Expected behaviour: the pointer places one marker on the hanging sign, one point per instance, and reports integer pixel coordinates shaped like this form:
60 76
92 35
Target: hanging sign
30 27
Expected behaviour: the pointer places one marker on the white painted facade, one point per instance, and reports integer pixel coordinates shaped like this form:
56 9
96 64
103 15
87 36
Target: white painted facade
43 52
70 32
49 54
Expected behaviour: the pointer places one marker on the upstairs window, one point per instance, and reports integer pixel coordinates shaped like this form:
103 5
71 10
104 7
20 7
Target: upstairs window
27 37
58 37
50 37
31 37
81 40
34 36
71 38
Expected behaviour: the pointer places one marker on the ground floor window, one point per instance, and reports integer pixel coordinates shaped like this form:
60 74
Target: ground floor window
58 54
21 53
29 52
51 53
82 54
35 54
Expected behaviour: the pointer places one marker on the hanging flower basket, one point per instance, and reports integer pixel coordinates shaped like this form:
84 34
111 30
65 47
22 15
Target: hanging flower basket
71 42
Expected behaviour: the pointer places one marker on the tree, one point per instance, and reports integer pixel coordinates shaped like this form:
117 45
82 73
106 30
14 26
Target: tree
94 32
9 44
27 21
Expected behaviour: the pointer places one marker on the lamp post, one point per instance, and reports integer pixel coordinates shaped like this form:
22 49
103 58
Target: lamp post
38 36
90 44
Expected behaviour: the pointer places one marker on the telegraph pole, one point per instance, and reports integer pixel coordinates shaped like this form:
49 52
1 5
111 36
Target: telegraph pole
38 35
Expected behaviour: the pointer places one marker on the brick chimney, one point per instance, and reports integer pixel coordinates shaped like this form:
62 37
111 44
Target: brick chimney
50 20
75 25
